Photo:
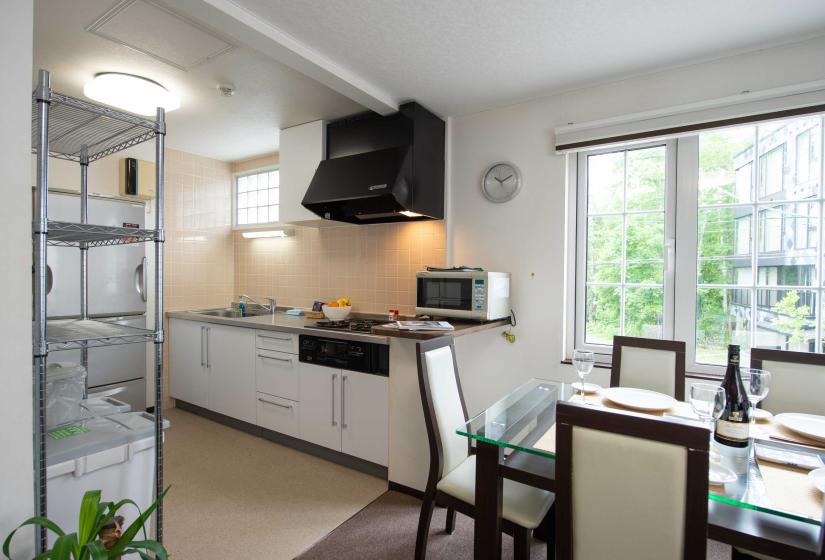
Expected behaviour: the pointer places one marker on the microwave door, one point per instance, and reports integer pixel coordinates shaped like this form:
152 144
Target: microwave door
445 293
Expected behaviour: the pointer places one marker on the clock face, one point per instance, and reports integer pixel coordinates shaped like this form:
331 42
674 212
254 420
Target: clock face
501 182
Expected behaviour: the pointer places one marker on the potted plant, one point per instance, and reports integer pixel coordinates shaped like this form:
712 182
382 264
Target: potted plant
100 534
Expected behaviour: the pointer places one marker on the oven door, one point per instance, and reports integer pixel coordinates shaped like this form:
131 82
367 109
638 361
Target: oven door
448 296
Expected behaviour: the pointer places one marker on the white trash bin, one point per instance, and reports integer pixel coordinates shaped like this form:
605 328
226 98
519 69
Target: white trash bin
113 454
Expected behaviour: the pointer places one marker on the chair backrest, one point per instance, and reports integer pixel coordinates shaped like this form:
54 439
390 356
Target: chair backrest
444 407
797 380
629 486
649 363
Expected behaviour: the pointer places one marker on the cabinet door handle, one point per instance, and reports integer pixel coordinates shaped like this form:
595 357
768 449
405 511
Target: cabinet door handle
288 360
203 360
333 377
344 402
263 400
208 330
275 337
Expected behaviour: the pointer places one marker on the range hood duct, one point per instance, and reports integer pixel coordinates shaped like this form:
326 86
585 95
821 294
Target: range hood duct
381 169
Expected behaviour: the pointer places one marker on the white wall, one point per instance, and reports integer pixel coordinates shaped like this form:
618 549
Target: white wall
16 486
527 235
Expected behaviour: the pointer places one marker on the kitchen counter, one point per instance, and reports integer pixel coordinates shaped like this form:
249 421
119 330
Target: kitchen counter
282 323
461 328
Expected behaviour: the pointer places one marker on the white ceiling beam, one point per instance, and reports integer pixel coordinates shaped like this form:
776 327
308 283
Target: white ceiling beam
244 26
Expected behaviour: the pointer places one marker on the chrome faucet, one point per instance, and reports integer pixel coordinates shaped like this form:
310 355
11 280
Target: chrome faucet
271 307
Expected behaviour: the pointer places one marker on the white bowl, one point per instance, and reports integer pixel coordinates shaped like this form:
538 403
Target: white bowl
336 313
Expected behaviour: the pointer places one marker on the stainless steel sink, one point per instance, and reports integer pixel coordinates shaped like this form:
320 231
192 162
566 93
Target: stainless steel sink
230 313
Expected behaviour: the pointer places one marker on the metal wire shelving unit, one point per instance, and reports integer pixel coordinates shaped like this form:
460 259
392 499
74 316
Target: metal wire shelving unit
73 129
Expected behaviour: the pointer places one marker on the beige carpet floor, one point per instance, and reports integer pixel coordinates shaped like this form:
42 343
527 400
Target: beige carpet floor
386 529
235 495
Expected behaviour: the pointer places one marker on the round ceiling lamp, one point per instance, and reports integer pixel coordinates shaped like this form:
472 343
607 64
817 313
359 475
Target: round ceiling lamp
135 94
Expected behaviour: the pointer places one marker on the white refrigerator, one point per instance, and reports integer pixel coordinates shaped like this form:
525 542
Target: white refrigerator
118 288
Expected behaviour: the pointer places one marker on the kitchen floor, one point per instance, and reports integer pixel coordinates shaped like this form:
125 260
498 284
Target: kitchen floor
235 495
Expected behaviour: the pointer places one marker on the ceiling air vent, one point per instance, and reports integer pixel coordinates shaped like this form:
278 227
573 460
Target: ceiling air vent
153 29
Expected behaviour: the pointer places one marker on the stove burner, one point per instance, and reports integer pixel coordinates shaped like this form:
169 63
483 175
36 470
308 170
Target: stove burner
352 325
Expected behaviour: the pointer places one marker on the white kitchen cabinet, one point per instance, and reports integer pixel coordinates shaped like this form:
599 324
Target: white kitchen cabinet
230 359
365 416
279 414
277 341
276 373
188 377
301 149
345 411
320 405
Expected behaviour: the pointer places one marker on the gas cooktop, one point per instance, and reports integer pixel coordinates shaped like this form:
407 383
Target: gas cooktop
351 325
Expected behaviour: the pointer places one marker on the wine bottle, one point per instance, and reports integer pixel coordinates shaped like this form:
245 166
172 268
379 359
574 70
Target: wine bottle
732 427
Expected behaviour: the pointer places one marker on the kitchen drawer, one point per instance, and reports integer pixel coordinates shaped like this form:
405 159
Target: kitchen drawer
276 373
277 414
278 341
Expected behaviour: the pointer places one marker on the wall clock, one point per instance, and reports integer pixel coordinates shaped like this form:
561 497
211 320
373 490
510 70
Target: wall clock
501 182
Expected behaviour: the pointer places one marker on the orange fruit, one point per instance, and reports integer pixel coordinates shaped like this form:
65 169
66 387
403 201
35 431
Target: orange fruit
333 304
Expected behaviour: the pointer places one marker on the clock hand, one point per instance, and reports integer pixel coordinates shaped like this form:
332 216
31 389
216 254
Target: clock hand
508 176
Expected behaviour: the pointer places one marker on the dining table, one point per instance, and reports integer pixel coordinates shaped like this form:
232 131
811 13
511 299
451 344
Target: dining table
771 507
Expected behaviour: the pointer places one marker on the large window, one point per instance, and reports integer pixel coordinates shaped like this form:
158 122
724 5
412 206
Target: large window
257 198
742 207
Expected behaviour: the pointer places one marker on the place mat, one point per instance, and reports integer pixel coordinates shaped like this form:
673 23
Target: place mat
791 490
547 442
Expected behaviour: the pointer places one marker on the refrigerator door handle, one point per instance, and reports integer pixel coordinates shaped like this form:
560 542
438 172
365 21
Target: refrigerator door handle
141 274
49 279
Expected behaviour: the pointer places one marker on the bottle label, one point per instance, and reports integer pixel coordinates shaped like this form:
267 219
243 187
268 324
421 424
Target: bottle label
736 431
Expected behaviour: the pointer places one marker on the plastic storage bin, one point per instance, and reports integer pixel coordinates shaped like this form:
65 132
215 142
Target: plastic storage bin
114 454
65 385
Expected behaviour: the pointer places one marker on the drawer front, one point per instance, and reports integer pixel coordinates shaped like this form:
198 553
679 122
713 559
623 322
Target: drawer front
276 373
277 414
277 341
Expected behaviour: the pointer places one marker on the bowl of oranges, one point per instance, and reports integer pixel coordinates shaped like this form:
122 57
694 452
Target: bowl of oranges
337 309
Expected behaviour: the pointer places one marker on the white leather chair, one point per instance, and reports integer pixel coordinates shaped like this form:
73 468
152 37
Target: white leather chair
797 380
629 487
452 474
649 363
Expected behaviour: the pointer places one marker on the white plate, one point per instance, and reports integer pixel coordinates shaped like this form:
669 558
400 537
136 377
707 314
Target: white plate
588 387
818 479
809 425
762 415
639 399
720 474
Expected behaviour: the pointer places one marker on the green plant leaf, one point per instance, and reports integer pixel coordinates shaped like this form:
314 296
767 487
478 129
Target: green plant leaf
152 546
96 550
64 547
89 517
40 521
137 524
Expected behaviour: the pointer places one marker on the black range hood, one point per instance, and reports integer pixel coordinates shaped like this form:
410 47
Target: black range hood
381 169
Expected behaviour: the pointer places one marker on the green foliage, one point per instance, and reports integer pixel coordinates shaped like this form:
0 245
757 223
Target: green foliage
792 318
85 544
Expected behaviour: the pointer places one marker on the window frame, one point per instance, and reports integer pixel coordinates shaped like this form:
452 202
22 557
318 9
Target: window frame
579 235
681 281
246 173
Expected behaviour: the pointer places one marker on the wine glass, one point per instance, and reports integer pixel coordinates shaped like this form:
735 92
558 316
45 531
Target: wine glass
708 401
583 361
757 385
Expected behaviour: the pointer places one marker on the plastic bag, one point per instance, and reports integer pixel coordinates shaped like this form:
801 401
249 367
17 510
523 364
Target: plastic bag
65 385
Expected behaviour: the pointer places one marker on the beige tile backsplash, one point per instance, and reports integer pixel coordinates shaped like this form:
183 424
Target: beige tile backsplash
373 265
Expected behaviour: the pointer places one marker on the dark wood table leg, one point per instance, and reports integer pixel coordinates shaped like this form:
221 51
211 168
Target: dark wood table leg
487 542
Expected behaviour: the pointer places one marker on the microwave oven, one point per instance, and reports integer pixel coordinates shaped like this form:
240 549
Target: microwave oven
475 295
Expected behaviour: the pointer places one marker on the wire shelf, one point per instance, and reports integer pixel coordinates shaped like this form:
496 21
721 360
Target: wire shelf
69 234
68 334
74 123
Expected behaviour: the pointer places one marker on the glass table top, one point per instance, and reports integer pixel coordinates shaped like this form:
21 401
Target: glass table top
524 420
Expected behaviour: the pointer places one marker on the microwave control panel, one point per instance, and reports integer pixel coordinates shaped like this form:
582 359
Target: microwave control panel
479 294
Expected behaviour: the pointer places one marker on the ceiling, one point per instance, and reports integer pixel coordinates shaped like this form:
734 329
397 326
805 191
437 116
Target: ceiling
464 56
269 95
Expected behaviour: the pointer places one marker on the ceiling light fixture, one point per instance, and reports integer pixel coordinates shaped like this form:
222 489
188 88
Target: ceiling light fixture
135 94
268 233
